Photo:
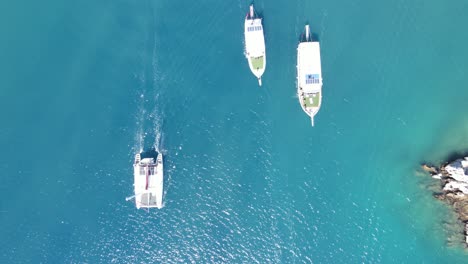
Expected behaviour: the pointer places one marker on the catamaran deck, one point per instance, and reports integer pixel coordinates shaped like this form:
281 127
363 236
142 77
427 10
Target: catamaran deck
148 175
148 200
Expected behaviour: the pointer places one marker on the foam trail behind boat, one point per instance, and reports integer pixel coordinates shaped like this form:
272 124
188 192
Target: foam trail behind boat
140 120
157 132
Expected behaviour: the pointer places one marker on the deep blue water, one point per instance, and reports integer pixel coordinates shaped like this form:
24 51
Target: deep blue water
86 84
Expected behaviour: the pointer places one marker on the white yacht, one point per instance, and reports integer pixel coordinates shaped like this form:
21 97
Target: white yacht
148 175
309 75
255 44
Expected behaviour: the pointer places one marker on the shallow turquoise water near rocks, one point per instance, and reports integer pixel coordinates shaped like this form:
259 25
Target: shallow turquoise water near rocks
86 85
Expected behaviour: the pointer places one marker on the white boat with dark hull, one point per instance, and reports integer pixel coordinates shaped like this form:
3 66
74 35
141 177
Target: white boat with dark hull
255 44
148 180
309 75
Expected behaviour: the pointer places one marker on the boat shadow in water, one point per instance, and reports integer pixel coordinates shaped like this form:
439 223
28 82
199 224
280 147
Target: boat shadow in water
314 36
257 13
150 153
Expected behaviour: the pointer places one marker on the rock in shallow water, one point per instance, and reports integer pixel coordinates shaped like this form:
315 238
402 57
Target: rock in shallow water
430 169
454 182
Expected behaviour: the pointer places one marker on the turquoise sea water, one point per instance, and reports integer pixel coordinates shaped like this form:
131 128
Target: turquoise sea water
86 84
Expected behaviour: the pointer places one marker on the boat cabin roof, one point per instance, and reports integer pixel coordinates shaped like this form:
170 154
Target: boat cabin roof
309 67
254 39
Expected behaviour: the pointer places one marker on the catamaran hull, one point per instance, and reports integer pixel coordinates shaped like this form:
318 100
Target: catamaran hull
160 185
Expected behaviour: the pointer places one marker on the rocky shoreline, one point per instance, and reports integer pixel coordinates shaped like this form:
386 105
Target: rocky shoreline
453 177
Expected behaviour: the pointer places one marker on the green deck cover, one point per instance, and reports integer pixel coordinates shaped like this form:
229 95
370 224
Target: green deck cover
315 100
257 62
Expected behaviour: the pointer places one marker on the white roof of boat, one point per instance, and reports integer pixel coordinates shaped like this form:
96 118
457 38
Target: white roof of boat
309 67
254 39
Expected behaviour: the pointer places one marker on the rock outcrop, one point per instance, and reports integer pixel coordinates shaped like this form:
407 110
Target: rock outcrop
454 182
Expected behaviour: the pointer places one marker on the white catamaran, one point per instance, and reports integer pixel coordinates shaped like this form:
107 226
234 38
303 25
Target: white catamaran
309 75
148 175
255 44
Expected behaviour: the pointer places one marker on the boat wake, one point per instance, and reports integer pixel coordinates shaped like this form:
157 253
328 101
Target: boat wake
140 118
148 133
156 130
149 114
